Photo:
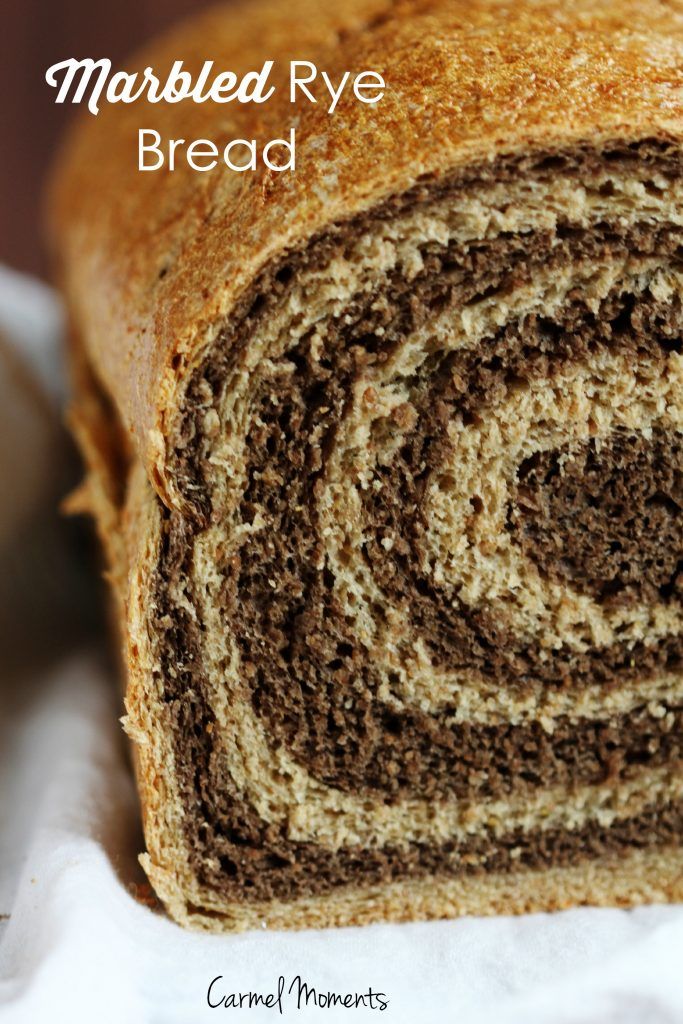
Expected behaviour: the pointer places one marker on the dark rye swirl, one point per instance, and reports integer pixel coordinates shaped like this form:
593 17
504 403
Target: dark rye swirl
398 541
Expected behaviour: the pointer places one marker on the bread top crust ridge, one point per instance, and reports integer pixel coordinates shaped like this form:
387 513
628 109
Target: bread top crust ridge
154 264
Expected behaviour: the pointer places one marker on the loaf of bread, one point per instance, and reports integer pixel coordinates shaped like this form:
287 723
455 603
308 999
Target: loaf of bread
387 457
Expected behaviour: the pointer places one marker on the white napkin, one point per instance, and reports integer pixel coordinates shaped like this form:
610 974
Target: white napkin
77 946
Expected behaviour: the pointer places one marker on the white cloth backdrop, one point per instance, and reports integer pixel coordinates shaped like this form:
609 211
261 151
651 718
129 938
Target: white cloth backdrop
76 946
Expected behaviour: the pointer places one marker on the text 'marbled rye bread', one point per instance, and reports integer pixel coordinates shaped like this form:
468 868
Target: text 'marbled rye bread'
386 454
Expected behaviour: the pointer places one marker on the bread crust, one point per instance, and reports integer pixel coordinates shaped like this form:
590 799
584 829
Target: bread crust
466 82
155 265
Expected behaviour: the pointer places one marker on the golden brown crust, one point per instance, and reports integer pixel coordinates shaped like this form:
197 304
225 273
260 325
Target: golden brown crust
466 82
